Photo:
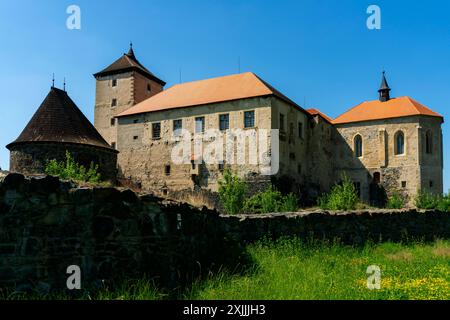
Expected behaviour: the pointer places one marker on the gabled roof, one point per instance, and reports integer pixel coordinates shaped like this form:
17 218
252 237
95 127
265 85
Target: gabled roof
377 110
128 62
315 112
227 88
58 119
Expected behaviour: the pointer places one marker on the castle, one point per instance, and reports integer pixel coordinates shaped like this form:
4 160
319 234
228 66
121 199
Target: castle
384 146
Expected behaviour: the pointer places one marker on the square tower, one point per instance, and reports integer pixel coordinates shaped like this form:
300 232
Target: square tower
120 86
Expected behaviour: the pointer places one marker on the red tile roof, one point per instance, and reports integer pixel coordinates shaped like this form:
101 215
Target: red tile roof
227 88
377 110
315 112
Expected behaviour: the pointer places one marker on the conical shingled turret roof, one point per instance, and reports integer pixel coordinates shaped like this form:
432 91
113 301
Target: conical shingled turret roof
128 62
58 119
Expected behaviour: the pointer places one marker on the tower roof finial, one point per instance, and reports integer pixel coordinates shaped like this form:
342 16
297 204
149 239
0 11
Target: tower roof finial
131 52
384 89
64 84
53 80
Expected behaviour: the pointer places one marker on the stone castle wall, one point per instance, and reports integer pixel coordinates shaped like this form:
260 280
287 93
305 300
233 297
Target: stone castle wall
112 234
31 158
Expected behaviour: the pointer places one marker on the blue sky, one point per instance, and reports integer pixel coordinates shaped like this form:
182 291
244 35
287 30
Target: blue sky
319 53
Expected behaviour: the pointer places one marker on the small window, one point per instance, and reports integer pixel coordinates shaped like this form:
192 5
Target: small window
167 170
113 145
299 169
135 137
135 120
399 143
113 102
193 164
224 122
156 130
114 83
113 122
199 124
403 184
149 88
282 122
358 146
249 119
431 184
429 142
300 130
221 167
177 126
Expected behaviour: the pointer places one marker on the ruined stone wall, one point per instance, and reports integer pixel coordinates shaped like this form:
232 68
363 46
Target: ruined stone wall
111 234
114 234
31 158
398 172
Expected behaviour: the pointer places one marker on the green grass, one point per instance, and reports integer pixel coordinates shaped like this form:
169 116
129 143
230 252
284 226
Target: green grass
289 269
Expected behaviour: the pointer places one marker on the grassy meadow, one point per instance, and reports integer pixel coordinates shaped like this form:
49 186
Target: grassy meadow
289 270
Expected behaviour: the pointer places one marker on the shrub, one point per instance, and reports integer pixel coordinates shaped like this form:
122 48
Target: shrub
69 169
342 196
426 200
231 192
444 204
396 201
270 200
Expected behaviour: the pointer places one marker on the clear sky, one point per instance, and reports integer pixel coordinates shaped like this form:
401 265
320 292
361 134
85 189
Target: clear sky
319 53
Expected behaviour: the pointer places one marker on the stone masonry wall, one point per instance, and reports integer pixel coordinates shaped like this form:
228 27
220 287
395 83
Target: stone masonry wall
47 225
114 234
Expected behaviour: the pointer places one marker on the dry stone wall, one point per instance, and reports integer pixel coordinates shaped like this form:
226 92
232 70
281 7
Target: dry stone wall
47 225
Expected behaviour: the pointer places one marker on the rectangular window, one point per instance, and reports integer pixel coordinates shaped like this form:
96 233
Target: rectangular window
431 184
300 130
221 167
403 184
113 102
177 126
114 83
167 170
249 119
199 124
135 137
113 122
282 122
156 130
224 122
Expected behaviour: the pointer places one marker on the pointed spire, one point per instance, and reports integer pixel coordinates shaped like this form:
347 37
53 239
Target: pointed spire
384 89
131 52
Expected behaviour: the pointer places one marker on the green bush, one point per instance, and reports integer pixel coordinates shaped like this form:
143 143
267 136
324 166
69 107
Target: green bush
270 200
396 201
69 169
343 196
426 200
231 192
444 204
